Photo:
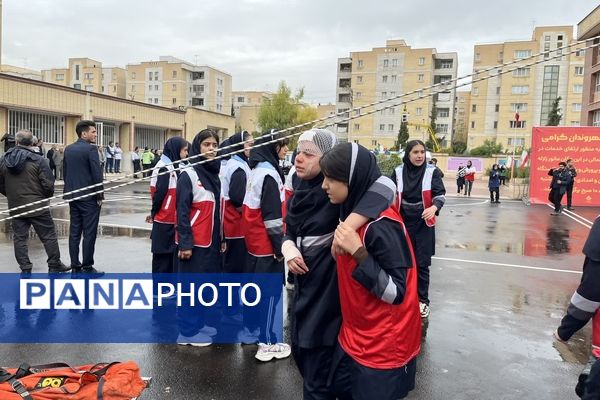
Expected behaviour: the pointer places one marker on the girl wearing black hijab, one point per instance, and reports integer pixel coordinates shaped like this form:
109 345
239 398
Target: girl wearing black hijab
421 196
162 215
380 336
263 233
198 229
311 221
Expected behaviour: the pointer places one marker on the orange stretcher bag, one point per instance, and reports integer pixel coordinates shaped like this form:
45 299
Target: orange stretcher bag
114 381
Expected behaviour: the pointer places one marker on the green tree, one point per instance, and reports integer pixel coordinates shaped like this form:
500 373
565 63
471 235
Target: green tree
554 116
285 110
433 117
488 149
459 147
402 136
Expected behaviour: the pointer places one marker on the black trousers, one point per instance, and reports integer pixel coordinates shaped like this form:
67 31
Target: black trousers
44 228
146 167
569 195
163 263
117 165
494 194
136 167
315 366
423 283
268 305
557 197
592 384
109 165
85 215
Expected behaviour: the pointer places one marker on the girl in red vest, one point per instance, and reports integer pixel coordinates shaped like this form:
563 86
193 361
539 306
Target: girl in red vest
380 336
162 216
421 195
469 178
198 229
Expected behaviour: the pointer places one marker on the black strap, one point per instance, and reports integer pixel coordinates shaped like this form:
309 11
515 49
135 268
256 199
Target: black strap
5 376
100 387
102 371
20 389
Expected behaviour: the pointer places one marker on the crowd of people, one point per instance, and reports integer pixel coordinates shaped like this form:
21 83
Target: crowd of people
358 245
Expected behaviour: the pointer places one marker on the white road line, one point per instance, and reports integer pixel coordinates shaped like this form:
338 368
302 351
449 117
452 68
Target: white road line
466 204
112 225
507 265
573 218
586 220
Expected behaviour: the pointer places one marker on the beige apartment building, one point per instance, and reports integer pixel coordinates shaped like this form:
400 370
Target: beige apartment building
171 82
529 90
22 72
246 105
52 111
589 30
462 111
386 72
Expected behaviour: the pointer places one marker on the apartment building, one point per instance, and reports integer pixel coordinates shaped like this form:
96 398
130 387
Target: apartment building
89 75
171 82
20 71
246 105
462 111
528 90
386 72
589 30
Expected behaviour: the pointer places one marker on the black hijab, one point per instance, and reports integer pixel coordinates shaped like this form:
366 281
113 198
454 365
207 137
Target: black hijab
237 143
267 152
591 249
208 171
310 201
412 176
172 149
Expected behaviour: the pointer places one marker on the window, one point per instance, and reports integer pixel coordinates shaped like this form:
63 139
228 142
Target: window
220 82
359 79
394 77
495 124
384 95
150 75
575 123
421 78
596 118
356 127
156 76
156 100
517 124
597 82
386 63
382 127
384 79
102 89
150 100
421 60
547 38
474 108
361 63
514 107
520 89
358 95
576 107
521 72
391 127
498 90
133 75
197 75
516 142
446 64
522 53
89 88
49 128
577 88
443 112
475 91
392 94
155 87
174 76
420 93
419 111
578 71
472 124
60 77
240 99
174 88
373 142
77 74
88 75
149 87
497 108
133 88
580 53
174 100
560 37
395 62
441 128
114 89
477 57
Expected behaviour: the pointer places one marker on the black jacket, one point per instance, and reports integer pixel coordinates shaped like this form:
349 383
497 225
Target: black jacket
81 168
25 177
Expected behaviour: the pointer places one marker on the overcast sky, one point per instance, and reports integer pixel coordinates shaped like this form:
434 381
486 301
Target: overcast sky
261 42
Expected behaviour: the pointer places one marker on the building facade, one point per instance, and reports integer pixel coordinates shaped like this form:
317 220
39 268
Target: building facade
246 105
171 82
462 111
588 29
386 72
529 91
22 72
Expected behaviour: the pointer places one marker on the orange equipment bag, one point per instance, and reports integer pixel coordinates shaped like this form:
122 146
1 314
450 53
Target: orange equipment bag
114 381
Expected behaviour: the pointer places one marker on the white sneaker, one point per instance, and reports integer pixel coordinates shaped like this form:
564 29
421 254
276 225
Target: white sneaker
208 330
424 308
266 352
247 337
198 340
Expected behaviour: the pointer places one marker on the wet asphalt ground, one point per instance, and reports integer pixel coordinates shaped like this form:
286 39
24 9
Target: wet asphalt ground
500 283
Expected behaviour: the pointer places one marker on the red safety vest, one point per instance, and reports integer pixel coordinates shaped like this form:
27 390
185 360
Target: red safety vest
167 212
202 212
374 333
425 190
253 225
232 220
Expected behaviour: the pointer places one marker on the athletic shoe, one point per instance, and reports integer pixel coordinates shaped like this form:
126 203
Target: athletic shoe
55 269
554 213
424 308
198 340
208 330
266 352
570 208
246 337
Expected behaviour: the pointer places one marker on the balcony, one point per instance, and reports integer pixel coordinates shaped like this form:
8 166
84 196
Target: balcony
346 67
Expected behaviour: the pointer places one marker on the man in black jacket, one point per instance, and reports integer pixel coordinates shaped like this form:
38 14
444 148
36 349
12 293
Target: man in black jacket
573 172
561 178
25 177
81 169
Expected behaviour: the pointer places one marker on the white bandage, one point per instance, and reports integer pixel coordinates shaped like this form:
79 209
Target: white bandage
289 251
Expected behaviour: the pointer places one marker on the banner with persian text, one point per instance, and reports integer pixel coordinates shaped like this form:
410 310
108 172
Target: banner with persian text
551 145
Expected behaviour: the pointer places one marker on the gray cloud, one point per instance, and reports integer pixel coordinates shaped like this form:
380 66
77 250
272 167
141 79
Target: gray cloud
261 42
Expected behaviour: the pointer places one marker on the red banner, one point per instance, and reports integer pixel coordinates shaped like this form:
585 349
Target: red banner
551 145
